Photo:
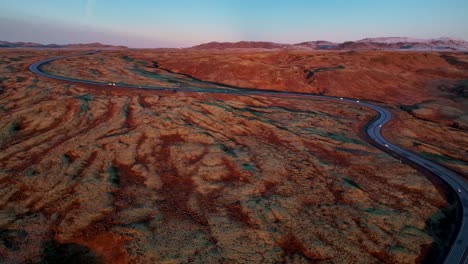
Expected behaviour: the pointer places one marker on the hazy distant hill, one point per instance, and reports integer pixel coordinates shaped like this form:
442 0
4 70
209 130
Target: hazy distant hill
388 43
7 44
241 45
319 44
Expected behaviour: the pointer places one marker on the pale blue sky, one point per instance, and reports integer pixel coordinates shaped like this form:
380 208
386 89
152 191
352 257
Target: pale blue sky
158 23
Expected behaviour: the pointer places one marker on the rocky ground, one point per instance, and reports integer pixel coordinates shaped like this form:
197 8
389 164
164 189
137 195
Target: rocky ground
123 176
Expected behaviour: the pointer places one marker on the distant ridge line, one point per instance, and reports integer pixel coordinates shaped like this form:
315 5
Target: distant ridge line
384 43
7 44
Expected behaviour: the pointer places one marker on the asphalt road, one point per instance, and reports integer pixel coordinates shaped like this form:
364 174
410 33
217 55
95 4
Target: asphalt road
458 252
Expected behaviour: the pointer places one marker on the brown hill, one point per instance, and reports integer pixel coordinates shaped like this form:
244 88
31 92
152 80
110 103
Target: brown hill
317 45
92 45
241 45
7 44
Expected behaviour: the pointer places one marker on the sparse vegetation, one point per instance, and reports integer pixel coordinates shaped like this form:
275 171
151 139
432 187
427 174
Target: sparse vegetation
127 59
84 102
409 108
114 175
93 72
14 128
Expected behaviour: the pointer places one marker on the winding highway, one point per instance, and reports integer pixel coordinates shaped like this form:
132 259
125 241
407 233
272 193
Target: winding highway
458 252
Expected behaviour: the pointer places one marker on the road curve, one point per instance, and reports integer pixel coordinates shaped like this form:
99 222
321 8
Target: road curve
458 252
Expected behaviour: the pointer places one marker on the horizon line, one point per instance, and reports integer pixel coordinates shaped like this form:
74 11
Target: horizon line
216 41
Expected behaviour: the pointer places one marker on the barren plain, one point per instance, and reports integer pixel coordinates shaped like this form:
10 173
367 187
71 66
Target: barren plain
427 91
112 175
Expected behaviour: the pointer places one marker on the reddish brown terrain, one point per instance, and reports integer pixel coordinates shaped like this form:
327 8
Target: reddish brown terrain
131 176
426 90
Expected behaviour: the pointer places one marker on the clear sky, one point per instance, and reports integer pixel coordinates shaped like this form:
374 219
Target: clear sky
174 23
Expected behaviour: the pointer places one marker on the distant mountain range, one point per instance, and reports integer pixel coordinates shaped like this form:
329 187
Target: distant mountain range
389 43
7 44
